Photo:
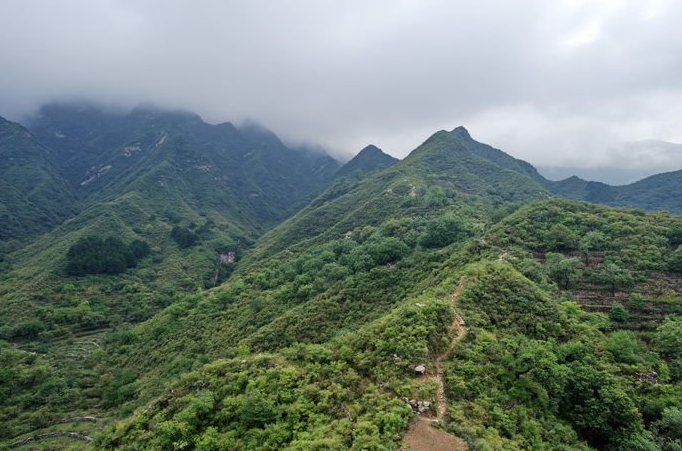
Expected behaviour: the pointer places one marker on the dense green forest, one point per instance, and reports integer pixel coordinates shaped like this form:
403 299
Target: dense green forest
178 307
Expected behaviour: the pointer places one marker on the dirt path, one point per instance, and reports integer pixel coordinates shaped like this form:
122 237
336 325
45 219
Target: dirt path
54 434
422 436
458 325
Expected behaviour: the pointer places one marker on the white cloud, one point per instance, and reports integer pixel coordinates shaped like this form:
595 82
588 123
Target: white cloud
347 73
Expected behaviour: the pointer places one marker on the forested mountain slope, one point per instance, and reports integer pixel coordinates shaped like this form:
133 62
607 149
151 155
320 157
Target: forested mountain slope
34 195
130 212
443 167
528 355
103 152
319 336
658 192
369 159
198 194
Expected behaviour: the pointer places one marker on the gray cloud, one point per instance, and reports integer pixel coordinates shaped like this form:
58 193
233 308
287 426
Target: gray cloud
551 82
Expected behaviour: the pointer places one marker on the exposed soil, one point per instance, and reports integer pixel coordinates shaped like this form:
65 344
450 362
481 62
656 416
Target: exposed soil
422 436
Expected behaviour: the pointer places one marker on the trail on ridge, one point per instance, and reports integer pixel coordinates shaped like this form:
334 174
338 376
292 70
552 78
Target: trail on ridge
422 436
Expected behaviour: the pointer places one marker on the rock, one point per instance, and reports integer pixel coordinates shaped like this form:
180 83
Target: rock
649 378
418 406
420 369
423 406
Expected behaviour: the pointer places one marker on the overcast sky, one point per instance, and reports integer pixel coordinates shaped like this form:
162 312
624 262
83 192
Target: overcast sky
549 81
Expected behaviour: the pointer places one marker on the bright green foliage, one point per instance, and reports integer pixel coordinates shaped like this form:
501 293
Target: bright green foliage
309 340
626 348
563 270
675 260
615 277
593 240
530 371
618 313
561 238
309 400
669 337
444 230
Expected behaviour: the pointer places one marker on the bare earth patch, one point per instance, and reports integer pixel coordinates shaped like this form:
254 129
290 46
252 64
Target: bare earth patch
423 437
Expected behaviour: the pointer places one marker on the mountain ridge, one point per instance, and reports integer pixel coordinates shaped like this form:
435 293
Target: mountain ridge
369 159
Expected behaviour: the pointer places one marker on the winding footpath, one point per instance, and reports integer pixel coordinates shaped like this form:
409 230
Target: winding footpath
422 436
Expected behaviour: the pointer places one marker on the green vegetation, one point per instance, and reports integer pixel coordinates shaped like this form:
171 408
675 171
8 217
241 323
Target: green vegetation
34 196
93 255
368 160
183 236
205 331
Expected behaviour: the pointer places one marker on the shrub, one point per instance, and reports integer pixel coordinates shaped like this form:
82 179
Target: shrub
443 231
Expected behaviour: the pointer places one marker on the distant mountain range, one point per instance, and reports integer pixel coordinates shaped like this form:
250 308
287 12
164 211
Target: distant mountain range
635 160
79 158
605 174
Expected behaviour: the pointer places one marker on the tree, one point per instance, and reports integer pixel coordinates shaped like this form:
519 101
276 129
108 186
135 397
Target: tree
385 250
668 430
615 277
675 260
669 337
674 234
598 406
560 238
563 270
618 313
592 240
624 346
444 230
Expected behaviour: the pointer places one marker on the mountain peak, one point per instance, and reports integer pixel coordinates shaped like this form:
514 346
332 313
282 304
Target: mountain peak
461 132
370 149
369 159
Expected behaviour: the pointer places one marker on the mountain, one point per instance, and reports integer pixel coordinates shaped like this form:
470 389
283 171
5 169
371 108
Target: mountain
103 151
34 195
369 159
631 161
446 167
658 192
604 174
405 272
197 194
452 286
